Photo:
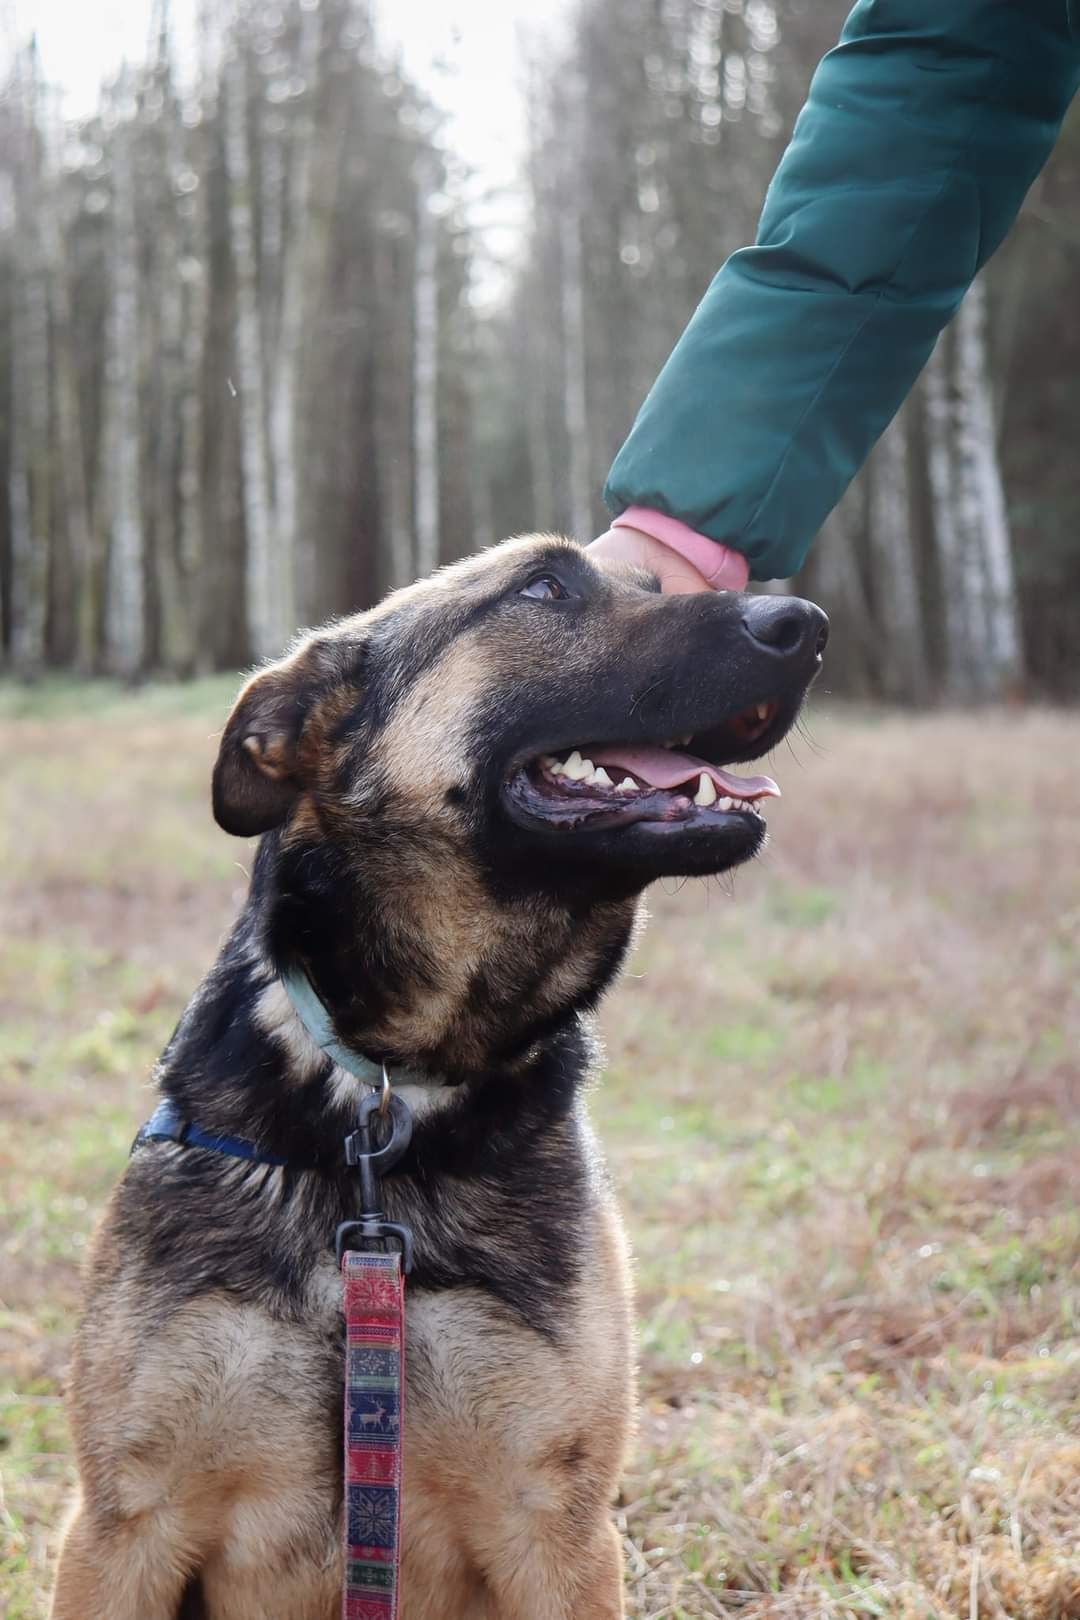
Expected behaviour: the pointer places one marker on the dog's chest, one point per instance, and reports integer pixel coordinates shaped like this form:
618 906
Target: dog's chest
467 1358
490 1405
483 1390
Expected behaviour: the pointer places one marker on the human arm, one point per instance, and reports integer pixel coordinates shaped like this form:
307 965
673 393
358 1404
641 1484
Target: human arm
923 130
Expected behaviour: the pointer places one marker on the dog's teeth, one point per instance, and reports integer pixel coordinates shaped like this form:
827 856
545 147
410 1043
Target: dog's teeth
576 768
762 710
706 793
627 785
687 740
725 804
600 777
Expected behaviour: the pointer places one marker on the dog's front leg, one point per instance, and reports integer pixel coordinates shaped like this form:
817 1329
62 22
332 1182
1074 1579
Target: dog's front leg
117 1571
567 1575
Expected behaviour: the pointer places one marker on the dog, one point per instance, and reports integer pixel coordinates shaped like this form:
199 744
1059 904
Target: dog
460 796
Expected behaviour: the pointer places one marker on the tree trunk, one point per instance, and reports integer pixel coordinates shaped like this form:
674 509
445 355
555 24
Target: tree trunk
392 439
575 403
175 630
264 596
206 602
984 517
835 573
296 275
190 494
901 643
29 454
70 440
81 532
125 602
538 436
983 657
535 343
575 397
426 373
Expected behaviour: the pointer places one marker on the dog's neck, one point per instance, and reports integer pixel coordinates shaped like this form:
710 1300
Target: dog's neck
431 974
489 1018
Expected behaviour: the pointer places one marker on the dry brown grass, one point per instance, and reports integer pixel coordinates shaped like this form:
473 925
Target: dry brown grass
842 1107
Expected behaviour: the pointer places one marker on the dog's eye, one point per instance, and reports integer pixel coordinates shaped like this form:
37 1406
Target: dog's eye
545 588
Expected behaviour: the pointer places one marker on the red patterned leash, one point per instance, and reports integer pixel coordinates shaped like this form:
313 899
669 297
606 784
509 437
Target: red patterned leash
374 1299
374 1383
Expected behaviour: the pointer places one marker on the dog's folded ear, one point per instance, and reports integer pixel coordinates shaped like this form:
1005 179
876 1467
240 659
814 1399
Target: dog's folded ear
258 774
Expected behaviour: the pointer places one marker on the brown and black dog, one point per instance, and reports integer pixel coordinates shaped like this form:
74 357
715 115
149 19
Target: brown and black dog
462 795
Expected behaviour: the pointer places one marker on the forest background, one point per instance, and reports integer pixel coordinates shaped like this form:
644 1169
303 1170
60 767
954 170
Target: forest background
251 373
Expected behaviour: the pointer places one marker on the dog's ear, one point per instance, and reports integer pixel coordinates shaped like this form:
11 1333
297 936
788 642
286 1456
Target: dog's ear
258 774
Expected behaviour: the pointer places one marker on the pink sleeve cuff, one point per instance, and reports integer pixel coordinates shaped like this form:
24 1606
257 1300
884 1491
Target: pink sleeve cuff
725 570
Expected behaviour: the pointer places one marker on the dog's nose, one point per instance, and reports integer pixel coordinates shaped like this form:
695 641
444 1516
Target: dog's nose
786 625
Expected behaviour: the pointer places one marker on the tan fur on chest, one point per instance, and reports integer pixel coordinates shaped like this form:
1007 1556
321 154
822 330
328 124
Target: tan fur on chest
510 1442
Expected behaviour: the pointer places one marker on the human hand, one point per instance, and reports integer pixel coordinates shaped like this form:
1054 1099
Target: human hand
676 574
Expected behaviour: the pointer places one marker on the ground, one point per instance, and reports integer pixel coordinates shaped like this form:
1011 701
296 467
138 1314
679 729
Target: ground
841 1107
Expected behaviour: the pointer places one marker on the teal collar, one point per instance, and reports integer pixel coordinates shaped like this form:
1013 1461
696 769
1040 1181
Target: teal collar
315 1018
320 1026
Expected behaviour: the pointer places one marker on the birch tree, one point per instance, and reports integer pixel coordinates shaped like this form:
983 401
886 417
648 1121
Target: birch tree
983 520
265 604
29 471
296 274
572 296
166 340
125 606
392 368
982 629
425 370
72 487
194 271
902 654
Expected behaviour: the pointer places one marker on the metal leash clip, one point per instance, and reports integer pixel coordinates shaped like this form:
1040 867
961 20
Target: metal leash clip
371 1229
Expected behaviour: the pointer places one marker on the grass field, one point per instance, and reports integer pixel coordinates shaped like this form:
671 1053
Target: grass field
842 1109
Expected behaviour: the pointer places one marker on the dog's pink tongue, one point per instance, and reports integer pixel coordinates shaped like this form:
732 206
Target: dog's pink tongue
663 768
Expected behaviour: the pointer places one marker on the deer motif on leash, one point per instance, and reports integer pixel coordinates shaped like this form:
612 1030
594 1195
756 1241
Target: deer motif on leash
373 1420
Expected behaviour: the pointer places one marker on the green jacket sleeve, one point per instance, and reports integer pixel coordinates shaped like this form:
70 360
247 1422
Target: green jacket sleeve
922 132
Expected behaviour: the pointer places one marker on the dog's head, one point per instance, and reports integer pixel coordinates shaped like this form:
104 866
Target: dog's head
467 787
559 718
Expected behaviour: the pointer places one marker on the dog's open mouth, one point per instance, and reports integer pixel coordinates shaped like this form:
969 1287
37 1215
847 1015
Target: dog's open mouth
614 784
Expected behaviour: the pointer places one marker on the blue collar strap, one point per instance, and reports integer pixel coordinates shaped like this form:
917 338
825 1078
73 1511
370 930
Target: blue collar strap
167 1124
319 1025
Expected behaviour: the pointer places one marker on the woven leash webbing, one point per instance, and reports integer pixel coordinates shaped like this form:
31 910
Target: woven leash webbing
374 1290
